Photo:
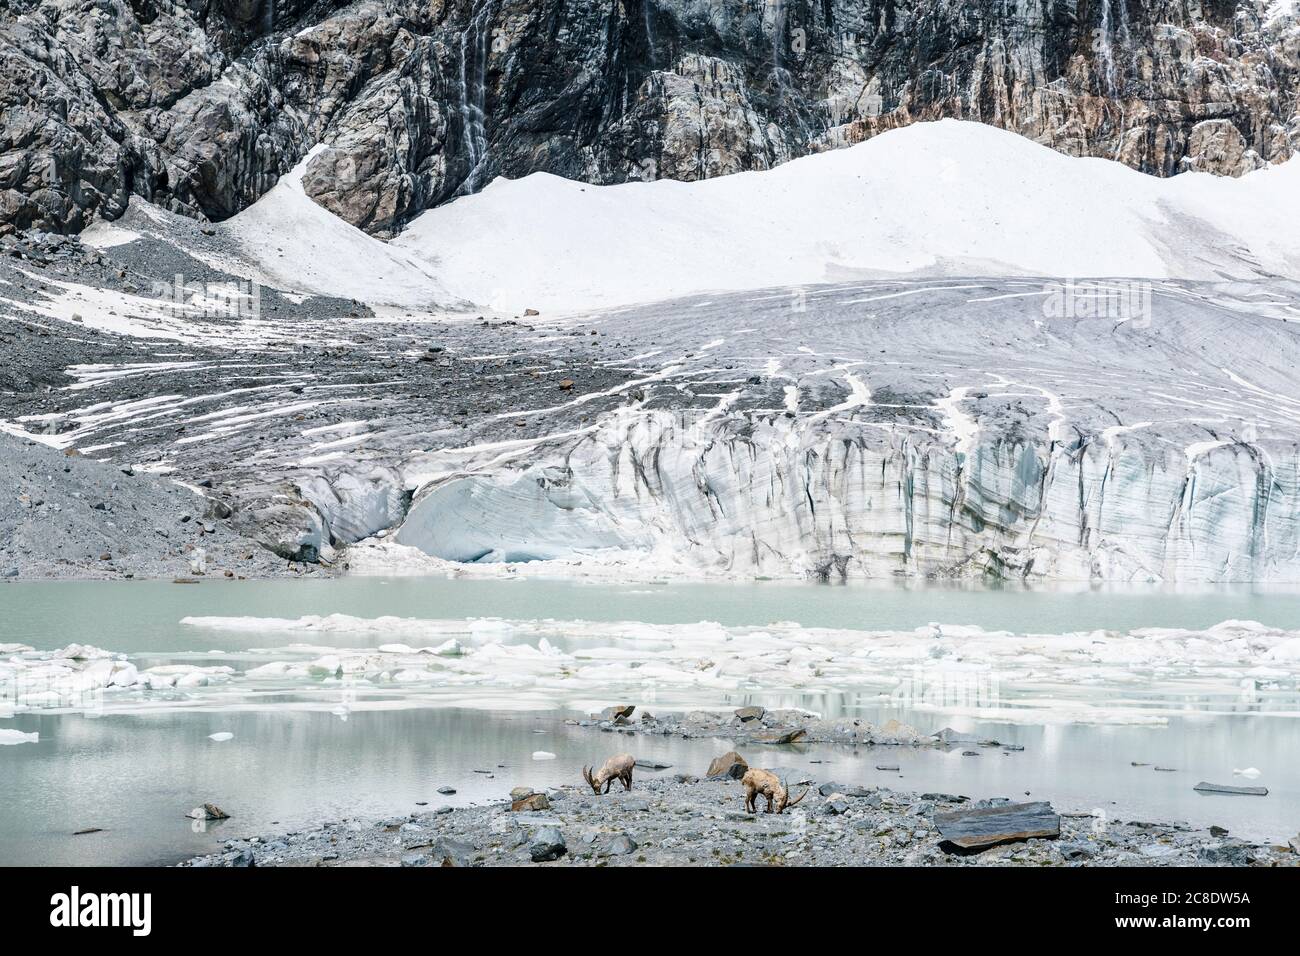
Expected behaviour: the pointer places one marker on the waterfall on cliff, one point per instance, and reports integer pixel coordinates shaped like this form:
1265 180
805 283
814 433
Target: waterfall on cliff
1102 46
475 46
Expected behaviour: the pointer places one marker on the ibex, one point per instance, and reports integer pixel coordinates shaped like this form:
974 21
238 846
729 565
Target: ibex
618 766
765 783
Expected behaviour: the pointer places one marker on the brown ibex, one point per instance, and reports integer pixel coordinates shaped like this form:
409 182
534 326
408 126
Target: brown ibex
618 766
764 783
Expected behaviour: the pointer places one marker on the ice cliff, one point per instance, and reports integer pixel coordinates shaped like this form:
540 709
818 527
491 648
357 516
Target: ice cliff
773 497
952 430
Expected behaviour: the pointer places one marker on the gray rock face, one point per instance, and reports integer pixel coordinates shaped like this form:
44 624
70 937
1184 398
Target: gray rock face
547 845
452 853
620 844
201 106
729 765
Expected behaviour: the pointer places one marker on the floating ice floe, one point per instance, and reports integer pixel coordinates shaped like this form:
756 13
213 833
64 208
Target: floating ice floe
78 676
1250 772
221 736
543 755
13 737
1067 677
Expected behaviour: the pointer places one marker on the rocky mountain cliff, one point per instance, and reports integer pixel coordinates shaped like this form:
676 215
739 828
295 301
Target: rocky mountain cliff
200 105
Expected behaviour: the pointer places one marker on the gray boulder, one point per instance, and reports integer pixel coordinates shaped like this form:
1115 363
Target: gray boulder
547 844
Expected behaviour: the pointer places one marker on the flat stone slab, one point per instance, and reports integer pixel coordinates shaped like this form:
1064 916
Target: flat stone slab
952 738
779 737
845 790
1204 787
970 831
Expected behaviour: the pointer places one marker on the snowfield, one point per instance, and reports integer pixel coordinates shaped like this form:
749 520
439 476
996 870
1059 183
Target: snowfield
932 199
947 198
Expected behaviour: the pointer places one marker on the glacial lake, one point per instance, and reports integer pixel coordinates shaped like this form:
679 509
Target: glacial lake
307 749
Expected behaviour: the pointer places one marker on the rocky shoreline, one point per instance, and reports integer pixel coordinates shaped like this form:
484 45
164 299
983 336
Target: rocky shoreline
683 821
758 726
696 817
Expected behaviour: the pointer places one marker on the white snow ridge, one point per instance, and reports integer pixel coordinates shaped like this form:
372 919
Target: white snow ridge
931 199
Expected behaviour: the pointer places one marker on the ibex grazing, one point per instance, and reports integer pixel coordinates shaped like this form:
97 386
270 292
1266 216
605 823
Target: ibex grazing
764 783
618 766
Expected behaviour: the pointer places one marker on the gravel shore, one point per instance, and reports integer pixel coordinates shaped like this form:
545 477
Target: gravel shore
683 821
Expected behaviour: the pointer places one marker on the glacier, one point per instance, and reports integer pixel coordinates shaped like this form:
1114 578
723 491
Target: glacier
910 443
774 498
1035 367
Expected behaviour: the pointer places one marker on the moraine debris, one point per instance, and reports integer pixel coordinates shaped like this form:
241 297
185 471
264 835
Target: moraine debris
680 820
